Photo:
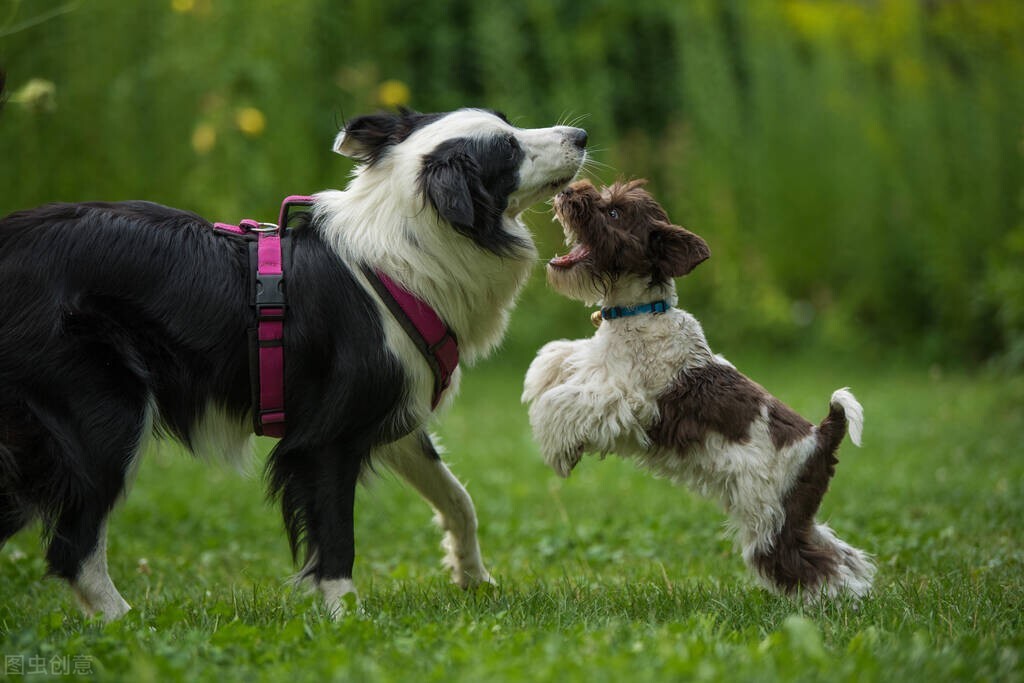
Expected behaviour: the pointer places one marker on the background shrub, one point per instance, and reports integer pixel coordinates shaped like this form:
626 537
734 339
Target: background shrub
856 167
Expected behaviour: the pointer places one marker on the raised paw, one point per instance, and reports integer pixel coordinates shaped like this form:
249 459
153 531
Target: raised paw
563 463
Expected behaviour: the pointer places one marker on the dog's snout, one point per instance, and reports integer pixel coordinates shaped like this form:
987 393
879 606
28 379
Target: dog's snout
583 186
578 137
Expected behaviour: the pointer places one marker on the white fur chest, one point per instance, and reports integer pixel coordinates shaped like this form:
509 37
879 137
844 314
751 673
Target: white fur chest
600 394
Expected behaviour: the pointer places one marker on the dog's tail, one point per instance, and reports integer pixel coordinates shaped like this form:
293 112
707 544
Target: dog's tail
844 412
805 555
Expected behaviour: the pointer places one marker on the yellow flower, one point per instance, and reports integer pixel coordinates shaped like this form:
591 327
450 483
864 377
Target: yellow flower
250 121
393 93
38 95
183 6
204 137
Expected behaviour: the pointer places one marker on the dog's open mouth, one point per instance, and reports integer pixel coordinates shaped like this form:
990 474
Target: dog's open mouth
578 251
577 254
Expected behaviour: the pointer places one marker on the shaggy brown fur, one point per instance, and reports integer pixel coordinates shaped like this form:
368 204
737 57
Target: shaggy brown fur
718 398
797 558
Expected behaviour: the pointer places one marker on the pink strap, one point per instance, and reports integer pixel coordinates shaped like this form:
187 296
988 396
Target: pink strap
244 227
227 227
270 333
289 201
439 345
270 314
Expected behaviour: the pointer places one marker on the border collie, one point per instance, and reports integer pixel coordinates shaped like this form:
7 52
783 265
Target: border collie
648 386
120 319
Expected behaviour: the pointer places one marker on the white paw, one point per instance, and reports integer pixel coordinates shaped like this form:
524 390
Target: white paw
467 569
112 611
103 600
565 462
340 597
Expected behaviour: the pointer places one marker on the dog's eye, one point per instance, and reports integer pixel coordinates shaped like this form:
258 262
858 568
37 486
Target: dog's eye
613 214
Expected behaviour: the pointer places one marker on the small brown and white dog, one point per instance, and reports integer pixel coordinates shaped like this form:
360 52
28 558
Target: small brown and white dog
647 386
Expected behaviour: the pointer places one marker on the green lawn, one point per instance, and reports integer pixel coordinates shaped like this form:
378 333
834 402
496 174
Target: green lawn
611 575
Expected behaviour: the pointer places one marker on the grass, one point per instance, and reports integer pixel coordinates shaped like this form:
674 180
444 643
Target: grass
607 576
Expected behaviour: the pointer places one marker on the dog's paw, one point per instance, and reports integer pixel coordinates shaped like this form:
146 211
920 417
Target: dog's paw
564 463
465 564
340 597
475 580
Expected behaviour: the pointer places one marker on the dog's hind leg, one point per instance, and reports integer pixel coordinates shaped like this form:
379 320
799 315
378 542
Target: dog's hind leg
19 444
804 555
94 472
66 458
94 439
78 550
93 586
415 458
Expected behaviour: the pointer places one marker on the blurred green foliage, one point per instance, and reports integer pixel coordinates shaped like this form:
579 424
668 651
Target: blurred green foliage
856 166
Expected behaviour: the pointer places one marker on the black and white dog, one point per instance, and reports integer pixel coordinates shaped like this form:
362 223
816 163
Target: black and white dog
648 386
120 319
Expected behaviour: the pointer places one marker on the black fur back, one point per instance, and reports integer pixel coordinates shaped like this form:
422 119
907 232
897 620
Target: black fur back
116 316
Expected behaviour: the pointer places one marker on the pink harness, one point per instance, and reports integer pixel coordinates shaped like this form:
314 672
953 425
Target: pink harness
433 338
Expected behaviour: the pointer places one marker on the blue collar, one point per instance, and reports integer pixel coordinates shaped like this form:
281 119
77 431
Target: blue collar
613 312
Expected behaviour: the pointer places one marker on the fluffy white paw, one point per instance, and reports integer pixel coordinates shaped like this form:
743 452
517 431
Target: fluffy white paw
340 597
565 462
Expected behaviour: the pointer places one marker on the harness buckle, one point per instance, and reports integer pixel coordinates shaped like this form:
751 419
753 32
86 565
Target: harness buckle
269 292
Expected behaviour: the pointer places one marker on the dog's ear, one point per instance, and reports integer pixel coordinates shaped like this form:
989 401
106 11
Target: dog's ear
451 182
365 137
675 251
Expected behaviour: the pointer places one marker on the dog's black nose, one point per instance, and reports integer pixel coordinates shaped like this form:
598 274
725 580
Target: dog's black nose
578 137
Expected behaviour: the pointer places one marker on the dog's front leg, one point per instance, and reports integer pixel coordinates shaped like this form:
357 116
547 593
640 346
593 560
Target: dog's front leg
415 458
331 536
317 490
570 419
548 368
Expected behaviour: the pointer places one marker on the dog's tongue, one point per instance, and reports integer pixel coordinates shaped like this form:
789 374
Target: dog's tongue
578 253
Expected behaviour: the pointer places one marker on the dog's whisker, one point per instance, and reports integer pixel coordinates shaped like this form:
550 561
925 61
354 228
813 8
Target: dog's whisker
577 120
594 166
592 160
